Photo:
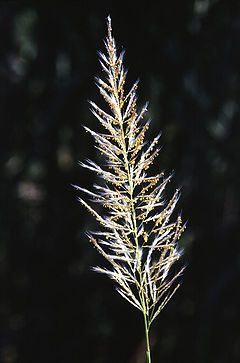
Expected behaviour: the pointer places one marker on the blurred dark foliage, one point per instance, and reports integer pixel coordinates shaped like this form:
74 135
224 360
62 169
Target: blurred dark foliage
186 53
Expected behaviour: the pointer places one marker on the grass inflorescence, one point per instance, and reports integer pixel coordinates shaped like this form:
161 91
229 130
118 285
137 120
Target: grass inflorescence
139 236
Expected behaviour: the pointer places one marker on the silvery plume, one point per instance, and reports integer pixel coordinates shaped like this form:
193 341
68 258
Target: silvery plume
137 235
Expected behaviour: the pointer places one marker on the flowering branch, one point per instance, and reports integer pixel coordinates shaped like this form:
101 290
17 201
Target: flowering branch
138 239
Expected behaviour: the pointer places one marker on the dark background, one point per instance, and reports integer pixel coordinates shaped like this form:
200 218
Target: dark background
186 53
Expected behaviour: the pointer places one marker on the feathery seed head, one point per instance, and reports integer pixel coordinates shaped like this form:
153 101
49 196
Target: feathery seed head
139 239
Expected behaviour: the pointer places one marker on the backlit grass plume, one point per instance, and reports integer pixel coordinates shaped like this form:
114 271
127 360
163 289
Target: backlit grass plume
137 235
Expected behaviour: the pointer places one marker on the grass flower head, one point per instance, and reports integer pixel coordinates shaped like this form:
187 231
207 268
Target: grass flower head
137 236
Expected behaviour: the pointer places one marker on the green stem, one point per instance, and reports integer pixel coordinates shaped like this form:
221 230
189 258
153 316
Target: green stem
148 350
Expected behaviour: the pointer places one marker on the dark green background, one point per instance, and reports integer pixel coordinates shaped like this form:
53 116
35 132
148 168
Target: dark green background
186 53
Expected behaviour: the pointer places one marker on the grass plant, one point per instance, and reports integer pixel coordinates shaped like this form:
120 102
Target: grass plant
138 234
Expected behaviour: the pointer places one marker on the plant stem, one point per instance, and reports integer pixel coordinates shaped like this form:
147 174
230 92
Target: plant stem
148 350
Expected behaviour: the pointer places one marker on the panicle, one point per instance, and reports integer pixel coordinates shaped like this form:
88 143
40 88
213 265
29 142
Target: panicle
138 235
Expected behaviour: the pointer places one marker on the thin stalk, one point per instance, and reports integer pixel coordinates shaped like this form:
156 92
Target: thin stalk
148 350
